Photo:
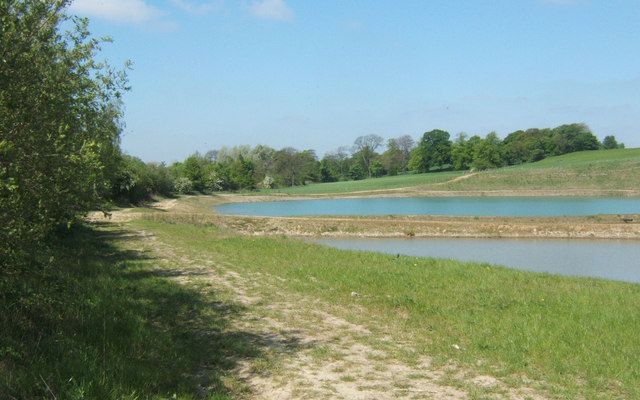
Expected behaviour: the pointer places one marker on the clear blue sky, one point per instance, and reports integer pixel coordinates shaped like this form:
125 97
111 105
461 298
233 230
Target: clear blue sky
317 74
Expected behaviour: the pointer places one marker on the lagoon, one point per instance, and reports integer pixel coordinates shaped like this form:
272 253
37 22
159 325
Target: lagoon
451 206
609 259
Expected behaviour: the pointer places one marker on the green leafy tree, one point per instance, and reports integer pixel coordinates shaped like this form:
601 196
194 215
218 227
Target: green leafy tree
328 173
193 168
216 177
263 158
60 123
357 172
488 153
133 182
377 169
364 151
462 152
241 172
396 158
287 166
528 146
610 142
574 137
309 166
433 151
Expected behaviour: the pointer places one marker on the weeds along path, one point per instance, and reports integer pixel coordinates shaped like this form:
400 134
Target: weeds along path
311 350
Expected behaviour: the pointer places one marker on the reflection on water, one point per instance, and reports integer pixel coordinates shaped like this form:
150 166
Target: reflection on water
618 260
467 206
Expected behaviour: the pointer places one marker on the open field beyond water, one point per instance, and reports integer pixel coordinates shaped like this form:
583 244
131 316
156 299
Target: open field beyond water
589 171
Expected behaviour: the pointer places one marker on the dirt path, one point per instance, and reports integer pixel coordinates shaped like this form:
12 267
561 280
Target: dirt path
127 214
314 352
459 178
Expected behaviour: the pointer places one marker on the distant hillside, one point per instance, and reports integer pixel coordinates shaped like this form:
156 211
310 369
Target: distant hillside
617 169
600 170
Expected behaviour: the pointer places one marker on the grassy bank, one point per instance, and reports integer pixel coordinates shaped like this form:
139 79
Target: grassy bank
578 337
101 320
589 170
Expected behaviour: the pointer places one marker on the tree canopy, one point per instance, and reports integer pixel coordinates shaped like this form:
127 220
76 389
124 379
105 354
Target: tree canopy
60 121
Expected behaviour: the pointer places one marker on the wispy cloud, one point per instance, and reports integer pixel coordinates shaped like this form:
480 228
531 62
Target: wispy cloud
128 11
193 7
276 10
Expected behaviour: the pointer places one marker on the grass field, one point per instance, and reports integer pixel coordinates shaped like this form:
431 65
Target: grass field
597 170
577 336
100 322
589 170
387 182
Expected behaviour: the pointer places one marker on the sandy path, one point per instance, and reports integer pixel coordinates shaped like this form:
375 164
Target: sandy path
315 352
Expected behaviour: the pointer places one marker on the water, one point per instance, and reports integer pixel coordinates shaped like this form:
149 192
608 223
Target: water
461 206
618 260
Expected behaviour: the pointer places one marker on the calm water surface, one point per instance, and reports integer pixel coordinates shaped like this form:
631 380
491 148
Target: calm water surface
618 260
461 206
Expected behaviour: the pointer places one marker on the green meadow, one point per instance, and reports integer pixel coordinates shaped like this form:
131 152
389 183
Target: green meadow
617 169
386 182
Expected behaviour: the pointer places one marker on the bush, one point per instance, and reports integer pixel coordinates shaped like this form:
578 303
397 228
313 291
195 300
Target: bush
183 185
59 124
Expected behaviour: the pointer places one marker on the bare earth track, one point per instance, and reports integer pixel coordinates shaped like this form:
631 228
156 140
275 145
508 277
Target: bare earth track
314 351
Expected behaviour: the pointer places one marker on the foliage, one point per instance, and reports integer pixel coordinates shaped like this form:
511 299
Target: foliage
241 173
135 181
59 123
364 151
101 322
357 172
462 152
433 151
610 142
183 185
335 165
487 153
193 169
574 137
220 170
396 158
288 166
377 169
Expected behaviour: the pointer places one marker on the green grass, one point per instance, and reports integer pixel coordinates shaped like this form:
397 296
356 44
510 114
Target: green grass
600 169
583 157
590 170
100 321
578 336
387 182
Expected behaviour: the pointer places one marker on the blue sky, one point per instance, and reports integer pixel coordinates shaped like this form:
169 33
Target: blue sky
317 74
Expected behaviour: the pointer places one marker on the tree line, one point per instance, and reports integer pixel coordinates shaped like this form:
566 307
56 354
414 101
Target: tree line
263 167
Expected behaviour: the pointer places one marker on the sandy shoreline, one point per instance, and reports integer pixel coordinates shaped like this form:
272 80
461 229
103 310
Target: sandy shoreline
598 227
